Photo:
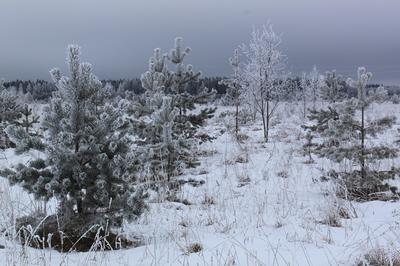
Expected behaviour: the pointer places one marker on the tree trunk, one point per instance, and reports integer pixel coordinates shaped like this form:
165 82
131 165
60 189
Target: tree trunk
79 206
237 121
314 99
26 124
268 117
264 127
363 172
264 120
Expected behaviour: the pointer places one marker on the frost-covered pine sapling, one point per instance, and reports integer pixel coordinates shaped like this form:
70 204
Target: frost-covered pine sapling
374 127
316 83
233 84
332 89
353 126
264 73
345 133
28 120
9 114
157 78
28 98
9 108
22 132
395 99
303 93
167 91
318 126
165 154
159 81
90 167
309 146
379 95
182 99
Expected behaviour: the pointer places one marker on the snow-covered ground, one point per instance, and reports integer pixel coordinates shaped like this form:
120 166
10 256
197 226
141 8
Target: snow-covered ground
260 205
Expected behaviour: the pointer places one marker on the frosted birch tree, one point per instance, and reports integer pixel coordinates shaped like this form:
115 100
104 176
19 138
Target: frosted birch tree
264 73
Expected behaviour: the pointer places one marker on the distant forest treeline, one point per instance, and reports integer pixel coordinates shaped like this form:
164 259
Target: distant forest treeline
42 90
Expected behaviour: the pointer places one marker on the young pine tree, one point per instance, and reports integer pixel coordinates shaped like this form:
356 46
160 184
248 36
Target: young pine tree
304 93
309 147
233 91
90 167
187 123
395 99
165 154
28 120
22 132
347 136
315 83
9 114
9 108
154 114
332 89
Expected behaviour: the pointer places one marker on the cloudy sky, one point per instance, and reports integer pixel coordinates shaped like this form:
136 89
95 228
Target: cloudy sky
118 36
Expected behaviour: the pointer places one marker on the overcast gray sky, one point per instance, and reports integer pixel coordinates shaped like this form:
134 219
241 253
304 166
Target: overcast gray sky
118 36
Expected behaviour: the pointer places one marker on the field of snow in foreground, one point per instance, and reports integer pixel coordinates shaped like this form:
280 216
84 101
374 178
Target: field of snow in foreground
260 205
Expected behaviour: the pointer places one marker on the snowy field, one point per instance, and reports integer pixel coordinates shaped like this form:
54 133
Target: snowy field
260 204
